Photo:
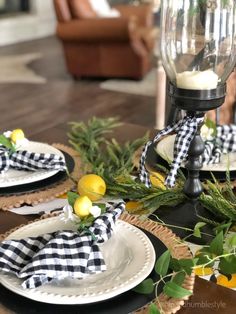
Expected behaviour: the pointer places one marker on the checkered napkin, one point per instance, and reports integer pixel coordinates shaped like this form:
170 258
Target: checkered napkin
58 255
224 143
186 128
24 160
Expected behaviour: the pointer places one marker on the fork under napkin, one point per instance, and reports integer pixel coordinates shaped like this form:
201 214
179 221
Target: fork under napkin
58 255
25 160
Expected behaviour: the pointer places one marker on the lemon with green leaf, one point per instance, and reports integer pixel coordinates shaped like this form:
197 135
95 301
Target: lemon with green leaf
82 206
17 135
92 186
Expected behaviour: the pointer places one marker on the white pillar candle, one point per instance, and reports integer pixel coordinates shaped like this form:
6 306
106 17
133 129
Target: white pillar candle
197 79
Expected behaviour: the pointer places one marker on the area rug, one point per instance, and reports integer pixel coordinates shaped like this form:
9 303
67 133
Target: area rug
145 87
14 69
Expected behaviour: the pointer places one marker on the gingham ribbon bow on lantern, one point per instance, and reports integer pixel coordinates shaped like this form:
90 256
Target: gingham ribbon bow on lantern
25 160
59 255
186 128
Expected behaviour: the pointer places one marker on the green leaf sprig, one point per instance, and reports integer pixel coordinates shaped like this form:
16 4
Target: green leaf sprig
220 254
172 273
6 142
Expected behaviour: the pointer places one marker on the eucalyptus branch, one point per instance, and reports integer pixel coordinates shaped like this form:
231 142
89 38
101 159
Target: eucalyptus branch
156 284
169 225
179 227
162 278
214 259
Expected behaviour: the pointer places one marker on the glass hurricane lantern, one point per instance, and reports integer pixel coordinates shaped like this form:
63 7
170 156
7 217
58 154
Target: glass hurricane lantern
198 52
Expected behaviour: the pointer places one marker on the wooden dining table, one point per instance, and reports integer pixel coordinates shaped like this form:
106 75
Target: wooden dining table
207 297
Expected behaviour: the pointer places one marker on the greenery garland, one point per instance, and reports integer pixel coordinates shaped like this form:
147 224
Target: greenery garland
113 162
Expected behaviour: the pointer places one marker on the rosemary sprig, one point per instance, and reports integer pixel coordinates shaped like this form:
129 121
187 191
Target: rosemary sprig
106 158
88 138
220 199
150 198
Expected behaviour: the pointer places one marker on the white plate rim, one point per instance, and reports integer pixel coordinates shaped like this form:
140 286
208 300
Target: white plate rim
15 177
164 146
13 283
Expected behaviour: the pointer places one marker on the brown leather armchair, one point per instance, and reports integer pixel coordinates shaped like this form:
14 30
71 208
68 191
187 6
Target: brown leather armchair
105 47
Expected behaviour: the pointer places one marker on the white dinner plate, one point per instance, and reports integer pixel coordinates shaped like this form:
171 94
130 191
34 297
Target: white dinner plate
129 256
14 177
165 148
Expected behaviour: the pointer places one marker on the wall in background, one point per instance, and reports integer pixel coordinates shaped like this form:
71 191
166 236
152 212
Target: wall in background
40 22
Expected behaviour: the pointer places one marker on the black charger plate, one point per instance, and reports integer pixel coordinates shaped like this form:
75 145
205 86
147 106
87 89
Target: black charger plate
153 159
123 304
41 184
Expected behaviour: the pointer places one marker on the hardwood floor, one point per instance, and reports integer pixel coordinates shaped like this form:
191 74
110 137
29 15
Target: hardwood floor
35 107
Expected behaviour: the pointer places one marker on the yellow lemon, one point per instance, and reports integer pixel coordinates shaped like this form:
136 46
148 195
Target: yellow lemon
157 179
223 281
92 186
203 271
82 206
17 135
132 206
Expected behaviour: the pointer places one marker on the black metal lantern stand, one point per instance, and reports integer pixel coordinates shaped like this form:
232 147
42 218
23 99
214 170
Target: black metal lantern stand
198 52
195 102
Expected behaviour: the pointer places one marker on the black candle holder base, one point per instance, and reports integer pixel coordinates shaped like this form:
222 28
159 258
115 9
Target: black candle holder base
185 216
197 100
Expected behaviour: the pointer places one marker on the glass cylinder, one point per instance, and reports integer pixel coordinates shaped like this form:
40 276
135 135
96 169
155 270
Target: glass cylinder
198 42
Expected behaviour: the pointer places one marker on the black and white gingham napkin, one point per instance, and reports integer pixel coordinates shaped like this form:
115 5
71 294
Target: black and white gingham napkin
186 128
24 160
224 143
59 255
